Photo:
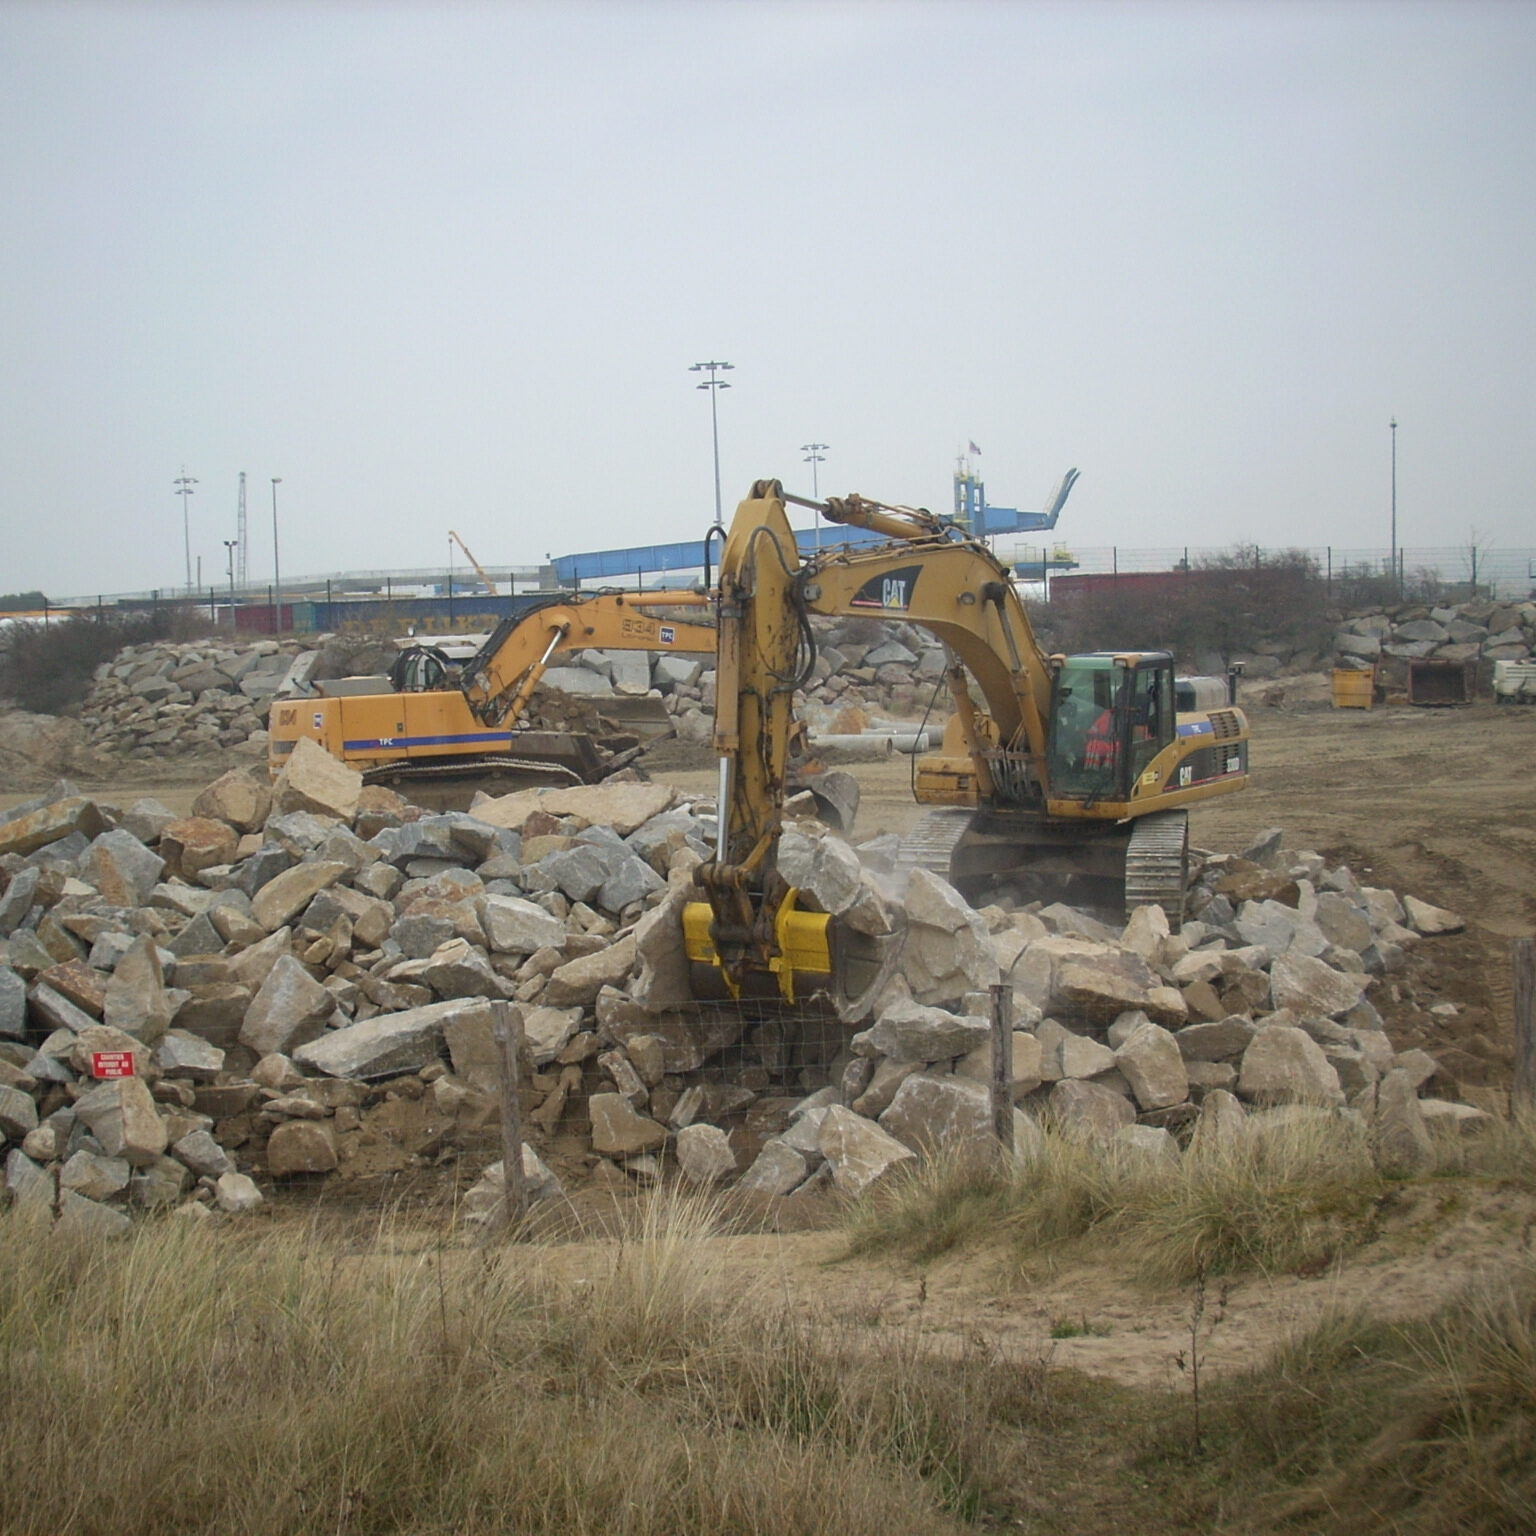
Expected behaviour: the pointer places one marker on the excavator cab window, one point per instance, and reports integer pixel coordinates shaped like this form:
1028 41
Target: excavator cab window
1110 716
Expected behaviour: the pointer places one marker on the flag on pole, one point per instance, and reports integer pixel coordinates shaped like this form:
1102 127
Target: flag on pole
975 449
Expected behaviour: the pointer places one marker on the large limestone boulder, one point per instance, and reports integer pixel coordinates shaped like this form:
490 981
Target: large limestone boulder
1285 1065
290 1009
1306 985
384 1045
238 798
908 1031
191 844
136 1000
284 896
948 1114
121 1115
946 951
704 1154
579 981
313 780
1080 981
1150 1062
121 868
1428 920
859 1152
1400 1140
301 1146
514 926
619 1129
1089 1110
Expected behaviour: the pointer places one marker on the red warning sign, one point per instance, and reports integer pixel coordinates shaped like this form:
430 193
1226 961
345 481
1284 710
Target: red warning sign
112 1064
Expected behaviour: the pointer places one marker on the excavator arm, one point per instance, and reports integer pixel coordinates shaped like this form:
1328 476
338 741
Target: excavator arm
499 681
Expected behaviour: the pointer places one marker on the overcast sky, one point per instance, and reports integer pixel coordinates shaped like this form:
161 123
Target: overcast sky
444 266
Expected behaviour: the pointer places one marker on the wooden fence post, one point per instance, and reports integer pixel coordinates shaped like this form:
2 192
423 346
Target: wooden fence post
1522 1095
1002 1065
508 1031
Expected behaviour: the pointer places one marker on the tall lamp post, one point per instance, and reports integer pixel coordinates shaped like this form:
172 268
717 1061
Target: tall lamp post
184 489
277 569
230 546
713 385
815 455
1395 581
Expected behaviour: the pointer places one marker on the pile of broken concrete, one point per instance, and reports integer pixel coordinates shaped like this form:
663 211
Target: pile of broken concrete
300 981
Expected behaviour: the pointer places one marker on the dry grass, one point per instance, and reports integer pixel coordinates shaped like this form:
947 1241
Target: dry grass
1282 1196
1423 1428
194 1380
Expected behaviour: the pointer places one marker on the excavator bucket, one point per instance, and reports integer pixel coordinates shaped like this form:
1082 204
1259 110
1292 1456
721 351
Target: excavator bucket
816 957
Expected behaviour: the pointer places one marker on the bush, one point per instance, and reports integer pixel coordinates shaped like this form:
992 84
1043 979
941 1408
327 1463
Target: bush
46 668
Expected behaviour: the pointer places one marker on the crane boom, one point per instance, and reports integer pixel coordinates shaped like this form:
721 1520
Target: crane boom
480 569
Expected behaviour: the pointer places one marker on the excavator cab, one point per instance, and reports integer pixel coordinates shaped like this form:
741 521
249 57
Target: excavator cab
1111 714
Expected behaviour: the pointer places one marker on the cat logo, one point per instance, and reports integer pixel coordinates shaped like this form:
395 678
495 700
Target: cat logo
892 592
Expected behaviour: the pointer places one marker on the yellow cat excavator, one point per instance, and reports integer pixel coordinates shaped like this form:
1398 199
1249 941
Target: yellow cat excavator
441 732
1067 774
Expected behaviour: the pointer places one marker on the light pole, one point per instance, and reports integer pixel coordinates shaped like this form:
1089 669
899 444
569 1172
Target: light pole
814 455
184 489
277 570
230 546
1394 505
713 385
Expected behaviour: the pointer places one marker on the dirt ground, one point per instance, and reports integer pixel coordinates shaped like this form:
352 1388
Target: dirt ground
1437 803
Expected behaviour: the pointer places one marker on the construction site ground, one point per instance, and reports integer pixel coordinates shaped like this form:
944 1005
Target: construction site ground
1435 802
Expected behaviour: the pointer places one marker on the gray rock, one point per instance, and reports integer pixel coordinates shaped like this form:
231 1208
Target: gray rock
13 1004
121 1115
777 1170
932 1114
1150 1062
619 1130
136 999
203 1155
94 1175
1089 1110
1307 985
290 1009
517 927
77 1214
121 868
18 1113
30 1187
386 1045
908 1031
236 1194
859 1152
704 1154
1284 1065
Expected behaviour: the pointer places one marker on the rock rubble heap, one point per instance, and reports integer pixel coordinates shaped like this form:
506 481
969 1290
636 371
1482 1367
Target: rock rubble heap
302 976
162 699
166 699
1473 631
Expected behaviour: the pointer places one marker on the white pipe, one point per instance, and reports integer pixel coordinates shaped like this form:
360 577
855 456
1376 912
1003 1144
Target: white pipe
890 741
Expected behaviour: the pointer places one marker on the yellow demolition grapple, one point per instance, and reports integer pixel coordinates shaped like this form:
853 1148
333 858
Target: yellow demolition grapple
799 960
